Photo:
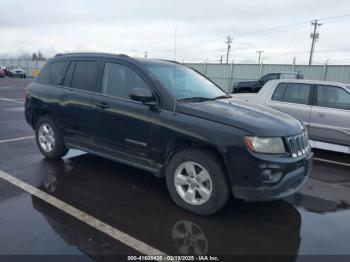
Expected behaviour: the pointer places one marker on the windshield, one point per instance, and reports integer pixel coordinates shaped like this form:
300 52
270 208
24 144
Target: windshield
185 83
15 67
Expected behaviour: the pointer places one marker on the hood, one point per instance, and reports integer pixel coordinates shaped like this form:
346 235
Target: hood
257 119
245 83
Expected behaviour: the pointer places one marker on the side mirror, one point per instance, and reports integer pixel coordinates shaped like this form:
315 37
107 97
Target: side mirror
143 95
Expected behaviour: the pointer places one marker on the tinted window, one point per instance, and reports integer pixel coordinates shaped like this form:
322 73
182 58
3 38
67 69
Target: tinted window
85 76
297 93
57 72
333 97
119 80
270 77
69 74
279 92
44 76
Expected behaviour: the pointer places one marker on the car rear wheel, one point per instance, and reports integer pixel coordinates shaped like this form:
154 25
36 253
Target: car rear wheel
197 181
49 139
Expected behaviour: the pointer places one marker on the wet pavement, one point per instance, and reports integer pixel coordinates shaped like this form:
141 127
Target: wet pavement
315 221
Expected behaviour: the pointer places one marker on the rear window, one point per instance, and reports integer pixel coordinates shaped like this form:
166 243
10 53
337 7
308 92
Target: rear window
85 76
57 72
333 97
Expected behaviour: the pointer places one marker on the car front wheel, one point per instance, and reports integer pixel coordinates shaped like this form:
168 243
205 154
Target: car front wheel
197 181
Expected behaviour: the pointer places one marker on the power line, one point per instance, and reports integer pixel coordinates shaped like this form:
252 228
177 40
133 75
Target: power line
315 36
228 42
268 30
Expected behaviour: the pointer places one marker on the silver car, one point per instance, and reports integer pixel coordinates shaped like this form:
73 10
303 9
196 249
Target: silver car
323 106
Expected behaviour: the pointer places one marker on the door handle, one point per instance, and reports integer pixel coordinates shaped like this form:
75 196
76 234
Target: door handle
102 105
321 115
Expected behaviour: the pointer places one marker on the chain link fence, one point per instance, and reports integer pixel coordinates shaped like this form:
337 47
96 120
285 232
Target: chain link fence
225 75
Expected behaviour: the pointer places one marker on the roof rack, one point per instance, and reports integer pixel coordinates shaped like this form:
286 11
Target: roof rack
170 61
91 53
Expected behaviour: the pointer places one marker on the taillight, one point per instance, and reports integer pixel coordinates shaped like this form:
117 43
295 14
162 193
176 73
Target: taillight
26 92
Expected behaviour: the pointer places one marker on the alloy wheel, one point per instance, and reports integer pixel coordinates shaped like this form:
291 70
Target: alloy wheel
193 183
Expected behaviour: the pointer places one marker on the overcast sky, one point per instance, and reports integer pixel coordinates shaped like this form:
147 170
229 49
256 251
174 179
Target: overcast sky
136 26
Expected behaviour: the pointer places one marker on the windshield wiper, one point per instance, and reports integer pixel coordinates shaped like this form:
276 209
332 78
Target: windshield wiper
201 99
194 99
221 97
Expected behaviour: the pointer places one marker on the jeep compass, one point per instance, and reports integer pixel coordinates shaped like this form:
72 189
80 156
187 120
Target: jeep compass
170 120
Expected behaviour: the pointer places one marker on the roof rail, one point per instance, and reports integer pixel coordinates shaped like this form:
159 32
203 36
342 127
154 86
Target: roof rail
91 53
170 61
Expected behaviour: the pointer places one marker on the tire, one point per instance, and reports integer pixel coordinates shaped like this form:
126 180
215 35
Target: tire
217 184
49 138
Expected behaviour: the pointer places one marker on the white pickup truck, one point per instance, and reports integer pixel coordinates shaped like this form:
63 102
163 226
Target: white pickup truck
324 107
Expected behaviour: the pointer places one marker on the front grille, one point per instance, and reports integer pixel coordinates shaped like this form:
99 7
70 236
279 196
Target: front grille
298 145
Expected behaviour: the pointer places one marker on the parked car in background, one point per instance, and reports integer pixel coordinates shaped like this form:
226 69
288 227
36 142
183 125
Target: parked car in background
207 145
15 71
323 106
256 85
2 72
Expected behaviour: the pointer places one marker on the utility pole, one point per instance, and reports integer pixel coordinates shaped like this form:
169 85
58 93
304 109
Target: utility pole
314 36
228 42
220 60
259 52
146 54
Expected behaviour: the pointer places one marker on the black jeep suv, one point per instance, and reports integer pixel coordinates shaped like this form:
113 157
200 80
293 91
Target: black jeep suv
168 119
256 85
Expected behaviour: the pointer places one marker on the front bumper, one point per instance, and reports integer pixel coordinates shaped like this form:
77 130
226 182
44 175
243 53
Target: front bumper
290 183
18 74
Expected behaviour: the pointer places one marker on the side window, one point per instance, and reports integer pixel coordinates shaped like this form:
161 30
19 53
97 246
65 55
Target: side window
57 72
279 92
69 74
270 77
119 80
85 76
333 97
297 93
44 75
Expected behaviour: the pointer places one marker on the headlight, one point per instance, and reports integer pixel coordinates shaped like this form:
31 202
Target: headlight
268 145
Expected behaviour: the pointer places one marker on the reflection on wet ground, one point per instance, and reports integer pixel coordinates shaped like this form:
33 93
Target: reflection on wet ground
139 205
136 203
